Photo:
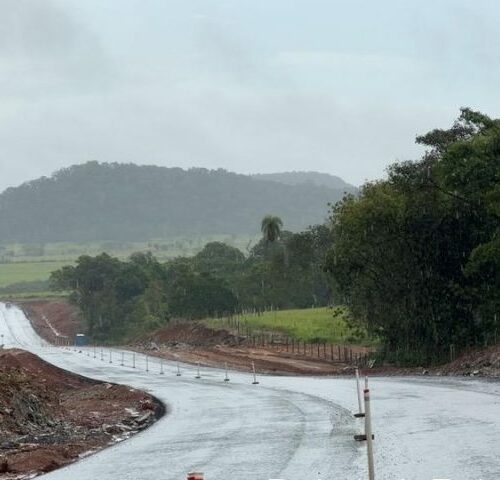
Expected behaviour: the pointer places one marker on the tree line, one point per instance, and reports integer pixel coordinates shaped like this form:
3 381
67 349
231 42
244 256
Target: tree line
416 256
122 298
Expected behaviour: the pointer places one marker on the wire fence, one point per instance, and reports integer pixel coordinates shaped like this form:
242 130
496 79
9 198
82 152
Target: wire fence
286 344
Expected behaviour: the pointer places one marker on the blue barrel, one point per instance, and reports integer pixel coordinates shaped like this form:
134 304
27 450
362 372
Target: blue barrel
80 340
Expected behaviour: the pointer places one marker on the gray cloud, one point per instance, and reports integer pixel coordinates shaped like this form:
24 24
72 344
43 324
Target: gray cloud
45 50
208 84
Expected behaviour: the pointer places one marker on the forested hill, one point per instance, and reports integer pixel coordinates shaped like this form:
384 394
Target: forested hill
312 178
99 201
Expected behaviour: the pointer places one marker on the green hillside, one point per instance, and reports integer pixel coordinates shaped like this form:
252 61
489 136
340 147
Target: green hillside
127 202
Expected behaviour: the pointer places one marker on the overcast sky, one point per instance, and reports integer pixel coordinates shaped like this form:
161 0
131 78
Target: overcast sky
250 86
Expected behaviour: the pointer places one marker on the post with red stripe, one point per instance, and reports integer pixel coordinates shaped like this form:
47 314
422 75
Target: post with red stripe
368 433
195 476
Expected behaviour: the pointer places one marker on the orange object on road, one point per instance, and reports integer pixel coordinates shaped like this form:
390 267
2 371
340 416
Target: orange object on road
195 476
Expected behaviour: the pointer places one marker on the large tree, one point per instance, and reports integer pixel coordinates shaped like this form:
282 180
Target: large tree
270 227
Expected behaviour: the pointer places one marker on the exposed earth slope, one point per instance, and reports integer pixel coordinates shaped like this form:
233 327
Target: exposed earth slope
50 417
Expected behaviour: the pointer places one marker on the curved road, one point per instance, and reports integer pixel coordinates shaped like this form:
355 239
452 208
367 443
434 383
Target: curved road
285 427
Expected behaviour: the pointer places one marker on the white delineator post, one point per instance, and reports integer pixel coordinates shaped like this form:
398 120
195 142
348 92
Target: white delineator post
123 359
360 413
110 357
161 367
226 378
133 360
368 432
255 382
178 370
198 370
147 363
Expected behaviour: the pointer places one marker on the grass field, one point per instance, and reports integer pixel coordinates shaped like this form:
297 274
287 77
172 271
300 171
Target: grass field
34 262
309 325
34 295
18 272
162 248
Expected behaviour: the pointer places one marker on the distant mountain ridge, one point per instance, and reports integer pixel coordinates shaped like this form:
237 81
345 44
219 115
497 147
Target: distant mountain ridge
100 201
315 178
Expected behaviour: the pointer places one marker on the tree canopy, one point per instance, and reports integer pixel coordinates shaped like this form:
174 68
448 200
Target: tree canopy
120 299
271 227
416 256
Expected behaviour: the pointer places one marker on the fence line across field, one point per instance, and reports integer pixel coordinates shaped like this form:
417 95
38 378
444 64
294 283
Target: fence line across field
332 352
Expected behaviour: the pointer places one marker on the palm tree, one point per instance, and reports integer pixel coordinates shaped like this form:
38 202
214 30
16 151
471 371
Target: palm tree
271 227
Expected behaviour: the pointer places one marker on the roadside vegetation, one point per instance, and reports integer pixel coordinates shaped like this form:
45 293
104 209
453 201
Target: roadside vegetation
416 257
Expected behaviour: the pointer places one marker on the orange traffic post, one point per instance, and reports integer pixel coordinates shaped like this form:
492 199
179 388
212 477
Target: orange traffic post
195 476
368 433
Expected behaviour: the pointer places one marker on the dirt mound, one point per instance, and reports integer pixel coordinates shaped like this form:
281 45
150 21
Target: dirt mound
194 342
44 373
48 417
485 363
194 334
53 317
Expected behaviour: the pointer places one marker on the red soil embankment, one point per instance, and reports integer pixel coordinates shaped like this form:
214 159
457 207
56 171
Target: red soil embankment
50 417
53 317
193 342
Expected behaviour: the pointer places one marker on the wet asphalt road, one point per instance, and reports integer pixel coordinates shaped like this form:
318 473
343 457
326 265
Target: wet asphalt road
285 427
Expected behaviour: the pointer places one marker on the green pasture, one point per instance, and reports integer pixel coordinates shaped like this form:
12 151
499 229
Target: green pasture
162 248
325 324
27 263
19 272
